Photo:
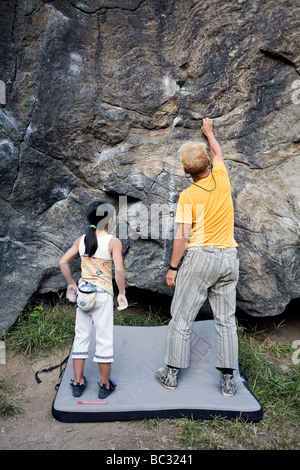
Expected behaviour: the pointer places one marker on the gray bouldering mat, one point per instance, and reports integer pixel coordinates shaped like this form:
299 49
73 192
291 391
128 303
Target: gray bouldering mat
139 352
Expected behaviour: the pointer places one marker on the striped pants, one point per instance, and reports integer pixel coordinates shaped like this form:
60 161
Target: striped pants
212 273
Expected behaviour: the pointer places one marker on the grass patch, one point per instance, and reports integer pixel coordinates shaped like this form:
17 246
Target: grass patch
42 330
273 377
135 316
275 381
7 407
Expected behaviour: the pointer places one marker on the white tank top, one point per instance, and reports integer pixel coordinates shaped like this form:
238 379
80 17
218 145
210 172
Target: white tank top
97 269
103 247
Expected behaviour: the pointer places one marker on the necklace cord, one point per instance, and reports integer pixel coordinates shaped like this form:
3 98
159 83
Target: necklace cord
208 190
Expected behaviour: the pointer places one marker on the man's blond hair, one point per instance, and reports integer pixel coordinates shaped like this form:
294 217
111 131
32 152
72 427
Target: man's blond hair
194 157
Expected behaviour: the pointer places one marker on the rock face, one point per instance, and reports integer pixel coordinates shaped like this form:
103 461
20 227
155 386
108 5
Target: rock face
100 95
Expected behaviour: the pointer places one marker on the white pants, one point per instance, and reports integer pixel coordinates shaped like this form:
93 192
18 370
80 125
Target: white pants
102 315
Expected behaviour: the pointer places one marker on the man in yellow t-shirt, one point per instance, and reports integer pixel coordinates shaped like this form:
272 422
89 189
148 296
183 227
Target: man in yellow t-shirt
210 267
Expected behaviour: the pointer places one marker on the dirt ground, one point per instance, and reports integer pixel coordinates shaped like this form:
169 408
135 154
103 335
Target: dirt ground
36 429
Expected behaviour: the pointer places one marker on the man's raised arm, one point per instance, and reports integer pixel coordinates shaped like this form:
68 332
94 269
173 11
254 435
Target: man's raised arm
216 151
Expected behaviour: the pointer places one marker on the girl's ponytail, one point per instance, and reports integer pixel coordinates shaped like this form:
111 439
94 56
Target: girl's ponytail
98 218
90 241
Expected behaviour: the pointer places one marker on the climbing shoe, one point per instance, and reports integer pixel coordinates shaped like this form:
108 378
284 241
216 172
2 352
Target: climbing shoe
167 376
78 388
105 392
228 387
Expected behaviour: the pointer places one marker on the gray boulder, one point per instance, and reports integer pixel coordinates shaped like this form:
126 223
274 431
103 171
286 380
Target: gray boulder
100 95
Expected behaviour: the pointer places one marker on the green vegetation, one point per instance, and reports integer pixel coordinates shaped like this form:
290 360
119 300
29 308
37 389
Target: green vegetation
275 381
42 330
7 407
273 378
134 316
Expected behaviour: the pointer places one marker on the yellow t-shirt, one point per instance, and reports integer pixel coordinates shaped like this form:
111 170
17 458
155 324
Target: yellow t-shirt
210 213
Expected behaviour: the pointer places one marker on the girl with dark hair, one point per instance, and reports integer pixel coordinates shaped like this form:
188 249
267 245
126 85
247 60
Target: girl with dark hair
98 251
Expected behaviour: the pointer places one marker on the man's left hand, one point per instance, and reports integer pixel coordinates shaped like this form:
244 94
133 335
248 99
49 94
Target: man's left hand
170 278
